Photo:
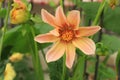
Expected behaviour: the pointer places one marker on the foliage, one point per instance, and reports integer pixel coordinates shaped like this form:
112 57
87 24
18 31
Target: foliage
20 38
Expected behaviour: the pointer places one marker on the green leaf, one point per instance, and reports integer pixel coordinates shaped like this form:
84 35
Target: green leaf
111 42
118 62
52 3
3 12
36 18
111 19
90 10
18 38
22 68
2 67
78 73
106 72
29 7
15 38
101 49
55 69
42 28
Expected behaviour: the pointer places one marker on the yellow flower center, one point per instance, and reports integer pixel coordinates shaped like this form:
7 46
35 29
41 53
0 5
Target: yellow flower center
67 35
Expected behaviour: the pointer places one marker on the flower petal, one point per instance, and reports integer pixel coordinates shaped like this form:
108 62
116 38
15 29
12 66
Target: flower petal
60 17
55 32
48 18
86 45
87 31
70 55
43 38
56 52
74 18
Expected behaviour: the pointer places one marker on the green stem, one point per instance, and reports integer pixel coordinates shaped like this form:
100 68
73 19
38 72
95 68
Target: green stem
95 22
62 3
42 51
4 27
64 68
37 64
79 70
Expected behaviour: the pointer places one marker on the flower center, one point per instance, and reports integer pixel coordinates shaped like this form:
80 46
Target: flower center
67 35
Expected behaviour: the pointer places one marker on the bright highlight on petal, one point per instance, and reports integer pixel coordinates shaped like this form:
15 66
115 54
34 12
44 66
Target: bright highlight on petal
60 17
55 32
56 52
67 35
74 18
86 45
70 55
43 38
87 31
48 18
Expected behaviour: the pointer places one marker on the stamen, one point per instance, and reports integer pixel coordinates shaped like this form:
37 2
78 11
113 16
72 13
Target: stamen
67 35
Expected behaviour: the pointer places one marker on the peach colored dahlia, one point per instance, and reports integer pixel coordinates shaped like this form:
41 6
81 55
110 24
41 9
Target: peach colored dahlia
66 36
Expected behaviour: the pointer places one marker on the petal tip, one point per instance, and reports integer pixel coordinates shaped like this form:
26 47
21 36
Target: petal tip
69 66
98 28
43 11
35 39
59 7
48 59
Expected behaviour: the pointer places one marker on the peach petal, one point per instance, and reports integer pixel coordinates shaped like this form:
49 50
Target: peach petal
70 55
87 31
86 45
60 17
74 18
48 18
56 52
55 32
43 38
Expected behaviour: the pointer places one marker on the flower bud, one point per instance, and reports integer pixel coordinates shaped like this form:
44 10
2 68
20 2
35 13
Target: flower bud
9 73
101 49
19 13
16 57
113 3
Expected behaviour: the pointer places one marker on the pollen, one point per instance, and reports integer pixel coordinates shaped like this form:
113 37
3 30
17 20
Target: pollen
67 35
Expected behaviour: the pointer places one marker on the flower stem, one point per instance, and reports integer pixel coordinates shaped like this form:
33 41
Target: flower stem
79 70
4 27
62 3
36 59
85 72
119 71
95 22
99 39
97 56
96 67
64 68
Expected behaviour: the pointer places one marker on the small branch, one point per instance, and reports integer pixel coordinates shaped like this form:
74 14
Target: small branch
97 56
62 3
85 72
96 67
95 22
119 71
64 68
5 27
38 66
